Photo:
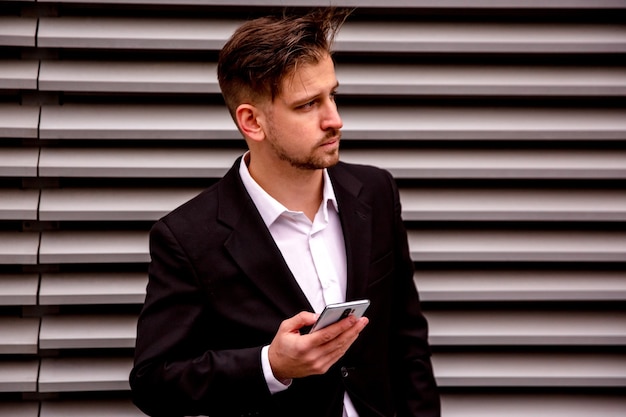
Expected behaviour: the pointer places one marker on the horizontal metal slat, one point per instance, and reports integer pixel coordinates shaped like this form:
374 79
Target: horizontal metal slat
18 375
536 404
474 204
18 335
18 204
466 285
524 328
370 79
143 77
84 374
18 248
498 369
517 245
493 163
136 122
93 288
485 123
91 408
111 204
453 405
19 409
129 33
17 289
17 31
18 121
425 246
87 332
147 163
94 247
201 122
399 37
436 4
479 80
16 74
521 285
447 328
402 163
460 37
18 162
464 204
451 369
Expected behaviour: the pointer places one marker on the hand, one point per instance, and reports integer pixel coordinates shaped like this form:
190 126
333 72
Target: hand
293 355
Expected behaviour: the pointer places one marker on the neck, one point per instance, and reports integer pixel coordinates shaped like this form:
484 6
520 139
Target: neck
296 189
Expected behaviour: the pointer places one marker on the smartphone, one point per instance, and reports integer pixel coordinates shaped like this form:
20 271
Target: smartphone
334 312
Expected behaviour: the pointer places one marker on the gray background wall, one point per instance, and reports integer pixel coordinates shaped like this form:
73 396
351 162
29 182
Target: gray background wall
504 123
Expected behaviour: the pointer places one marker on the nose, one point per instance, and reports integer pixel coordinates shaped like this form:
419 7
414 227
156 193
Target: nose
331 118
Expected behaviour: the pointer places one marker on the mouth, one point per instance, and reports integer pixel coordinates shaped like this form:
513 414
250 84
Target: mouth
332 140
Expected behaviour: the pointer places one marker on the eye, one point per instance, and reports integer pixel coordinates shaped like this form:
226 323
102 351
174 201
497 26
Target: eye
308 105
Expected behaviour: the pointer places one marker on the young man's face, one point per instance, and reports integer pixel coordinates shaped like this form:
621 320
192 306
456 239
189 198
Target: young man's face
303 125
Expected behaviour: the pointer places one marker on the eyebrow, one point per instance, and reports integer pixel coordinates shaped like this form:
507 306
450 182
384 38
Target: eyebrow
308 98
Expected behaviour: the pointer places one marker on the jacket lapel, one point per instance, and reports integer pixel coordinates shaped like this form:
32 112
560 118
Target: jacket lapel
356 221
251 246
253 249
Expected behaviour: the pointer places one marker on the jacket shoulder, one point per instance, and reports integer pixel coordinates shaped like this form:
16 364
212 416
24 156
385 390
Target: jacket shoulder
362 177
205 205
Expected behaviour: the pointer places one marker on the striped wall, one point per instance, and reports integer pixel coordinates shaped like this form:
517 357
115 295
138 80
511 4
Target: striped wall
503 121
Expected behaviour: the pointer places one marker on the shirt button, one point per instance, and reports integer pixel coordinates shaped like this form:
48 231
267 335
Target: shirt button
344 372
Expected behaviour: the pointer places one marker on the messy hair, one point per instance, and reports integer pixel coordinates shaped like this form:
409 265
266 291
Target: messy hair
263 51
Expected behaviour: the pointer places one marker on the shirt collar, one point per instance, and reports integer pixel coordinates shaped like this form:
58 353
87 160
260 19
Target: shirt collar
269 208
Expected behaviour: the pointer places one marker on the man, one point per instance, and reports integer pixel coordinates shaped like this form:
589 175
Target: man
239 272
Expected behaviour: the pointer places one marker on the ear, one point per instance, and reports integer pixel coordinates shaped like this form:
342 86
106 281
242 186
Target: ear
248 120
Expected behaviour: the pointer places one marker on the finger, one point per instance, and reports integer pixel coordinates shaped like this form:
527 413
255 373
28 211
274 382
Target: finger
334 330
339 336
300 320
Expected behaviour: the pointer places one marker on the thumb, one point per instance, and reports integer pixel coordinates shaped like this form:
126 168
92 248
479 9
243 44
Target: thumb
300 320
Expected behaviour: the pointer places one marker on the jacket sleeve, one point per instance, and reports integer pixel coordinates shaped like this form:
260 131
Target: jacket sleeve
415 387
178 369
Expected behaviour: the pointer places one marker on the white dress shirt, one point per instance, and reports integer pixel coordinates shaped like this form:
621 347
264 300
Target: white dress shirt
314 251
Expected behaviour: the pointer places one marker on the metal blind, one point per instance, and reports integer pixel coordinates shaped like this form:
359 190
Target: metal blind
504 124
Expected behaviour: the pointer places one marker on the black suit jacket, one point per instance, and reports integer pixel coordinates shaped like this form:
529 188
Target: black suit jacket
219 288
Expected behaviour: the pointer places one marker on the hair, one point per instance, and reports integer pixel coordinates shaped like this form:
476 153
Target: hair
262 52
